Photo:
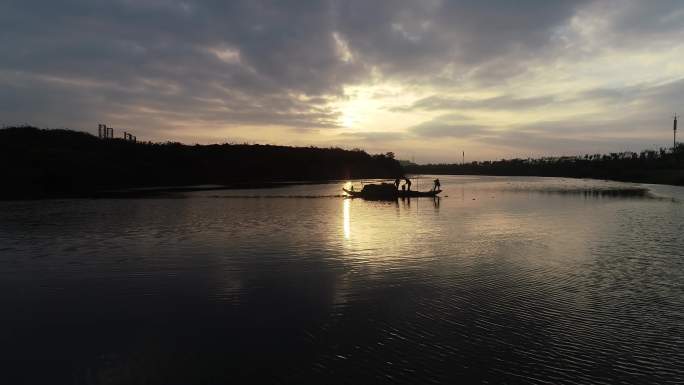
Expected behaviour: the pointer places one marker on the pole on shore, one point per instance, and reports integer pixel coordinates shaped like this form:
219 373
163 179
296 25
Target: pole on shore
674 133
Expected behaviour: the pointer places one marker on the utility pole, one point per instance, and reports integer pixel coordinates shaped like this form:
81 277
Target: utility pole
463 162
674 132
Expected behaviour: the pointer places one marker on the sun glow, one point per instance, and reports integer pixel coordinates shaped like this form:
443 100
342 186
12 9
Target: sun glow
367 108
347 120
346 218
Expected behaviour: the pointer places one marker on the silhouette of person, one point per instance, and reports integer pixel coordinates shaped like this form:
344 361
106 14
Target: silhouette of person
437 185
408 184
396 183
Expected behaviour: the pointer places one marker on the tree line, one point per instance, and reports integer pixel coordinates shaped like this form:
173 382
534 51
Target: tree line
664 166
53 162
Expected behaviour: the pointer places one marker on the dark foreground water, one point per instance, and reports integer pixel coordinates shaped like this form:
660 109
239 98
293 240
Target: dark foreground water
505 280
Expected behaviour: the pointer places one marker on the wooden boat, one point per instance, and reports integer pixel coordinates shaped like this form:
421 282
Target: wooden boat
388 191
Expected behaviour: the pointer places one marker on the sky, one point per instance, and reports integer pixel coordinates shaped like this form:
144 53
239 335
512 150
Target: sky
425 79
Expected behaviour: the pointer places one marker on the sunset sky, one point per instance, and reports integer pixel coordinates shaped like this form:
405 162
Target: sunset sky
425 79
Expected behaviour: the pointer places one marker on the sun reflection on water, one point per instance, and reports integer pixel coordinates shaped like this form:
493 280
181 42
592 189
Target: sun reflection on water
346 219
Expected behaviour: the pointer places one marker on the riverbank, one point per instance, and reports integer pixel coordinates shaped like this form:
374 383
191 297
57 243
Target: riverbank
665 177
661 167
39 163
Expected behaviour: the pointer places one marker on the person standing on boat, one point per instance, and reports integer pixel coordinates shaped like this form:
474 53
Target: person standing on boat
396 183
408 184
437 185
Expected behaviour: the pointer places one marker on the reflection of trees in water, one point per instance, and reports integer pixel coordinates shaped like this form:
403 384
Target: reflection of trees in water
592 192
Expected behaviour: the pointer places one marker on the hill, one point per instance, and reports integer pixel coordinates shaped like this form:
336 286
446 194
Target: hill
38 163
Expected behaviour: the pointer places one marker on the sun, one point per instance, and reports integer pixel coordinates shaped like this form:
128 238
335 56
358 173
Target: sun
347 120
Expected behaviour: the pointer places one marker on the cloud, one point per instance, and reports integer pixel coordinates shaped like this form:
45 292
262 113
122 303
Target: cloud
448 126
632 118
542 143
244 64
252 59
370 136
416 39
233 62
503 102
440 130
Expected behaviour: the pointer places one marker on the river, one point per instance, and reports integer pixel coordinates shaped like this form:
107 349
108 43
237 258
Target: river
502 280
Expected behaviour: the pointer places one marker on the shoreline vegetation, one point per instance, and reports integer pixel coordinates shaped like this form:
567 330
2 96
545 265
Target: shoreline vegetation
665 166
59 163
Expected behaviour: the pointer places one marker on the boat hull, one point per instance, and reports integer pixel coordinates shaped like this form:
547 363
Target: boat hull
393 195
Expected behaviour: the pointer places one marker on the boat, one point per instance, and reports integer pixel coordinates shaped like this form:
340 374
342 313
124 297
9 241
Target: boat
388 191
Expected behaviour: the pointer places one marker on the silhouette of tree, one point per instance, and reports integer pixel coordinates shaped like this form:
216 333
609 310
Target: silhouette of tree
663 166
38 162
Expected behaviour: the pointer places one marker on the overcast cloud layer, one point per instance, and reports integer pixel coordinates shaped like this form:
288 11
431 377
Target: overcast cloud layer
425 79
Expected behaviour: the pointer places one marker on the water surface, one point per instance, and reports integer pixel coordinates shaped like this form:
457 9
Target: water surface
503 280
